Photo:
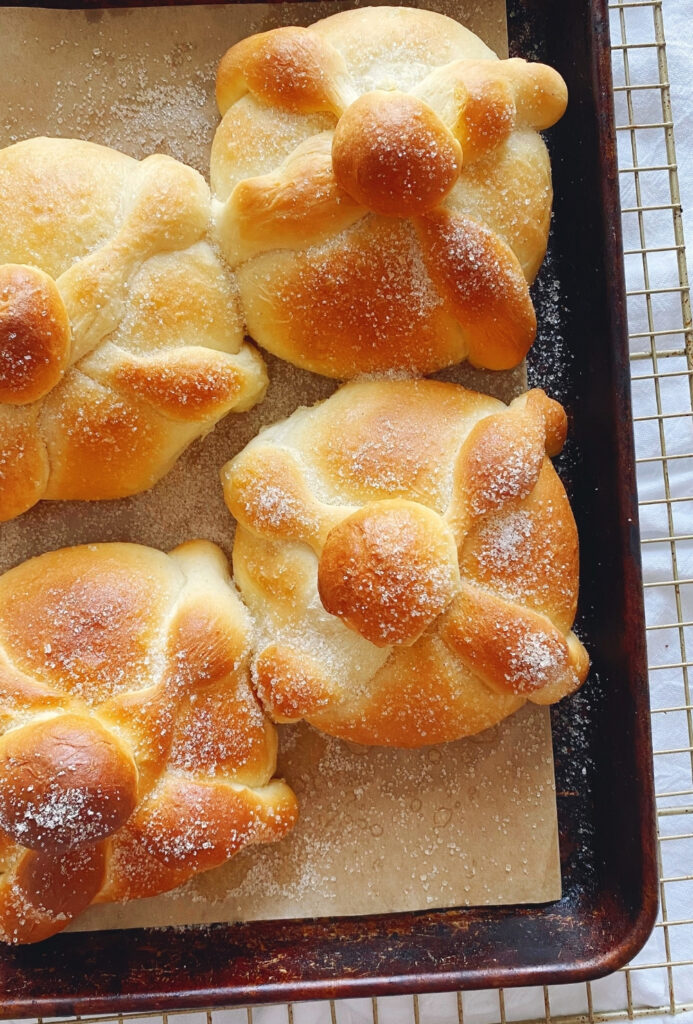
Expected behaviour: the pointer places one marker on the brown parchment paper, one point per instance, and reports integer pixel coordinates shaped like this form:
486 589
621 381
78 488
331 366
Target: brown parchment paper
468 823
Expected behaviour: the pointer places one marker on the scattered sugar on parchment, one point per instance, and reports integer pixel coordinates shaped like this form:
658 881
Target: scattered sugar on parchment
338 858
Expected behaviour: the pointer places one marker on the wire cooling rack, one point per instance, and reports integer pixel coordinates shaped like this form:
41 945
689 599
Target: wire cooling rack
659 982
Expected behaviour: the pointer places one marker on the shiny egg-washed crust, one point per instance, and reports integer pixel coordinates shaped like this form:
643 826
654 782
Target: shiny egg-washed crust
133 753
411 560
121 339
383 191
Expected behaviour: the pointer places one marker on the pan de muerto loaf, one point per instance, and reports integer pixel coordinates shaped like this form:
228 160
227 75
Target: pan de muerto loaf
411 560
383 191
133 753
120 335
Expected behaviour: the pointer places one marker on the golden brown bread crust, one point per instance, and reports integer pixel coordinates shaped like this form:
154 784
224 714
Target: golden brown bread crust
481 281
24 463
120 335
286 66
388 571
43 888
299 203
389 300
66 782
132 750
35 337
411 561
383 191
373 165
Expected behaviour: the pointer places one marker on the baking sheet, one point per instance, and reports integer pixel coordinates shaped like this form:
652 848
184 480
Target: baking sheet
465 824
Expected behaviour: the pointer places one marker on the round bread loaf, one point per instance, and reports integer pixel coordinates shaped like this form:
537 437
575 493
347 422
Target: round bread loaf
411 560
121 339
133 752
383 191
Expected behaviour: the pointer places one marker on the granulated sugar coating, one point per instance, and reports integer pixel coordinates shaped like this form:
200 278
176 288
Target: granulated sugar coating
380 829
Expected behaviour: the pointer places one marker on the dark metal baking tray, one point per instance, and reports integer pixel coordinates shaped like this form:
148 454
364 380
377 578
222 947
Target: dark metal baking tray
601 736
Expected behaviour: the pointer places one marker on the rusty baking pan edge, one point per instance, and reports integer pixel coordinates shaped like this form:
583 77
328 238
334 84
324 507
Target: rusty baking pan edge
607 814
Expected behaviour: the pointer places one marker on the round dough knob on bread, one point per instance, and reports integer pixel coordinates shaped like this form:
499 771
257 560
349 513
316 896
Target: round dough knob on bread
411 561
392 154
133 751
35 335
389 570
64 782
383 192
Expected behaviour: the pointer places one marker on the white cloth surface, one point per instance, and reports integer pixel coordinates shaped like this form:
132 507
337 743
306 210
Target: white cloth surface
649 986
